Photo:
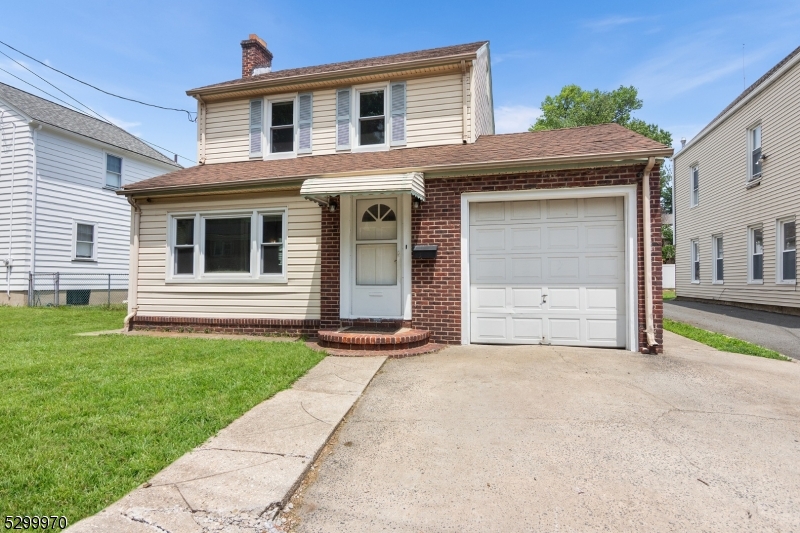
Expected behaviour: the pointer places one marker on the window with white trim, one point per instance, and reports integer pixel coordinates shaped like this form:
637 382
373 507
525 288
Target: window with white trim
695 261
756 252
113 172
754 155
85 241
787 251
371 109
719 269
695 178
281 126
228 246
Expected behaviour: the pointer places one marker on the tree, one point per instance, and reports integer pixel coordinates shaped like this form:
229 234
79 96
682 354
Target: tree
574 106
666 189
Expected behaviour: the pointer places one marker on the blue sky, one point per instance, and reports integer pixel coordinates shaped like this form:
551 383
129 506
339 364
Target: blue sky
684 56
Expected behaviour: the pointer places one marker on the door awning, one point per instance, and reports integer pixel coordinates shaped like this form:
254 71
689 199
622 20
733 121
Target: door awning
412 182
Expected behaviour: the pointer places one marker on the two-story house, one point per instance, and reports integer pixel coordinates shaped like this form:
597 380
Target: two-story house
59 171
375 194
737 199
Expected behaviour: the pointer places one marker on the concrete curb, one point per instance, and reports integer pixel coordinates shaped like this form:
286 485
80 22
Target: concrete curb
239 479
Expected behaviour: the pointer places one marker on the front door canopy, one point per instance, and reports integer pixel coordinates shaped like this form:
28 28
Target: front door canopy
411 183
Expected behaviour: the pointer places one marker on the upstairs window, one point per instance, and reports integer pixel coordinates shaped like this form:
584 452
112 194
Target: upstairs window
754 142
85 236
756 255
371 117
113 171
695 261
281 131
787 248
719 272
695 172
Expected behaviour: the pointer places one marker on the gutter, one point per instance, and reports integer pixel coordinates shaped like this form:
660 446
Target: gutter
495 166
648 256
133 280
332 75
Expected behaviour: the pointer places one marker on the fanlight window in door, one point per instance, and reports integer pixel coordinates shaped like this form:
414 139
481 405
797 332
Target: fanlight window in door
378 222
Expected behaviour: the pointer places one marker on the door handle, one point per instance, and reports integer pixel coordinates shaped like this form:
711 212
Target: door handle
544 298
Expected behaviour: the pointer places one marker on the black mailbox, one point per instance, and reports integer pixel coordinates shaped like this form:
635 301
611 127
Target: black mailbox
424 251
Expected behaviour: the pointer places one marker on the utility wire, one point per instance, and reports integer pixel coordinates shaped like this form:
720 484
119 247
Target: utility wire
53 86
188 113
102 118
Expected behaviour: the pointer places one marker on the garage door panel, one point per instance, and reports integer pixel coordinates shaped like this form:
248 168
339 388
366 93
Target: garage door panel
569 253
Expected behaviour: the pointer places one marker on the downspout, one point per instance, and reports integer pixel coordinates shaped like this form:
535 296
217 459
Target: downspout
133 283
36 127
648 255
7 260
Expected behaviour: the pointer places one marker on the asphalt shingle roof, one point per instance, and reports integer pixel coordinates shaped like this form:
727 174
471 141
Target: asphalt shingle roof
64 118
587 142
432 53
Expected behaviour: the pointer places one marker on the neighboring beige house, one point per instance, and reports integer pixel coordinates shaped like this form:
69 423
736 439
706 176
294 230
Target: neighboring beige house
374 194
737 199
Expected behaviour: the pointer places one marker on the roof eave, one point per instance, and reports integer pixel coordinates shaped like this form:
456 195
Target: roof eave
493 166
332 75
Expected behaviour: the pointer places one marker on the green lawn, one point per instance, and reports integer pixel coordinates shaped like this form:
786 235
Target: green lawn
719 341
669 294
83 420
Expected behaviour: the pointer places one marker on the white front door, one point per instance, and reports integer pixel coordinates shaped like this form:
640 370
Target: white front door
548 272
377 275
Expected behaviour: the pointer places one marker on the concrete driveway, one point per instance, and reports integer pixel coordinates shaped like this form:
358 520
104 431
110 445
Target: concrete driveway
772 330
481 438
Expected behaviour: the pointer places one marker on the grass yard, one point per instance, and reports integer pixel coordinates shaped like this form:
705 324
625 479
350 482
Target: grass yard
83 420
721 342
669 294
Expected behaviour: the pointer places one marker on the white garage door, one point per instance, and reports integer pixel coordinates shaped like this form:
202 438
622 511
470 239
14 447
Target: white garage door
548 271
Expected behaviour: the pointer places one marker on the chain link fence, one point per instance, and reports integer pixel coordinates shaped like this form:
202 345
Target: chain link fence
66 288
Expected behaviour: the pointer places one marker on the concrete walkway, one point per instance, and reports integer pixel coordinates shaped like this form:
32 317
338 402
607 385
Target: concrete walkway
771 330
490 438
235 480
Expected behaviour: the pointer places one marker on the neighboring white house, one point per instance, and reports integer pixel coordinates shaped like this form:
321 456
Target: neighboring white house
59 170
737 198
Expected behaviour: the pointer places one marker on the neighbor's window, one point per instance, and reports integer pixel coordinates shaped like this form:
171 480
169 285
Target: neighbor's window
85 235
787 241
756 254
754 142
113 171
183 249
371 117
229 246
695 262
281 131
272 244
695 170
719 272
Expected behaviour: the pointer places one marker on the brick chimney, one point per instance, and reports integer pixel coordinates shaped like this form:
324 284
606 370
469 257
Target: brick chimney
255 55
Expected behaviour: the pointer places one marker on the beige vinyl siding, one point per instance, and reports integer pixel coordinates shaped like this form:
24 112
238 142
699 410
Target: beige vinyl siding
434 115
435 110
726 207
227 131
298 298
482 112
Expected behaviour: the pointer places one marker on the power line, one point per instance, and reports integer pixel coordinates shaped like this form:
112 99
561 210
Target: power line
188 113
53 86
102 118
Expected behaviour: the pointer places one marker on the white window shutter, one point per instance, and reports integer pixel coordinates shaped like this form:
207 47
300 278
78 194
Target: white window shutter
256 124
304 113
398 113
342 119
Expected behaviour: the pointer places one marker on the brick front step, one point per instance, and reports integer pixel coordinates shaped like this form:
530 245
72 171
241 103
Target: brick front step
362 340
394 354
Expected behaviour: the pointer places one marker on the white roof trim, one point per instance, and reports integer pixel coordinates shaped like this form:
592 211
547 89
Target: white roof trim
412 182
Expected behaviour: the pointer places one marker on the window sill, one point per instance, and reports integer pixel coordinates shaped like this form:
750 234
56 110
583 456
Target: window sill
718 283
83 260
755 282
786 282
110 188
280 155
371 148
696 283
753 183
228 280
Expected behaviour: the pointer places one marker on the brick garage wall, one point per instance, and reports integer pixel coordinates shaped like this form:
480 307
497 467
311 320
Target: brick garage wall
436 284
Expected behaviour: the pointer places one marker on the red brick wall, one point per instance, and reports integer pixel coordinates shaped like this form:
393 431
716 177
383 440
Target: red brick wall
254 54
436 284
